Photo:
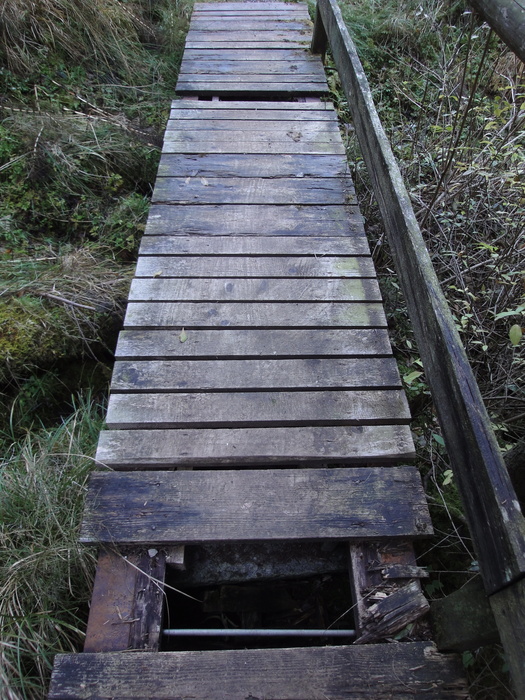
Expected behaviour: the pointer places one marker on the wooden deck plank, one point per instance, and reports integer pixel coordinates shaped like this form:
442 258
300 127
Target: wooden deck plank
253 343
241 24
261 165
282 37
214 66
223 447
208 315
235 142
315 106
281 129
317 246
270 79
278 115
204 42
253 375
267 55
371 672
255 266
257 409
245 219
314 133
253 289
227 190
189 507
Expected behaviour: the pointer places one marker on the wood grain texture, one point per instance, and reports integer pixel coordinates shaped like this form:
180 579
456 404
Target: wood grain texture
252 375
280 128
475 457
312 67
266 55
247 190
254 289
338 673
203 315
314 106
188 507
242 142
246 219
295 165
216 448
254 266
257 409
317 246
253 343
507 18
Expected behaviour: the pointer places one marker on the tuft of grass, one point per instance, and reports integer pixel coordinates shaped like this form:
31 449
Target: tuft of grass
45 575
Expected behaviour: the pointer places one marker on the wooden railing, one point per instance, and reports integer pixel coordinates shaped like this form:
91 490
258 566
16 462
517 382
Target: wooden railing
492 509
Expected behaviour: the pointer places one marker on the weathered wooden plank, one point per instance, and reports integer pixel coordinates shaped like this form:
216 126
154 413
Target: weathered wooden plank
241 24
338 673
253 375
234 115
250 7
253 343
315 106
253 289
188 507
257 409
247 190
508 606
242 79
246 219
215 66
203 315
127 602
282 37
219 447
239 142
241 165
255 245
507 18
474 453
281 129
255 266
233 54
203 41
261 86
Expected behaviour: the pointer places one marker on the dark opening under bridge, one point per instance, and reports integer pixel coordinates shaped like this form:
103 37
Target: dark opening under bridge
256 411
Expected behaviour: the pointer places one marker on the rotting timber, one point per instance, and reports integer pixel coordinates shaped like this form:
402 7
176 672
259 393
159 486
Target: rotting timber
255 405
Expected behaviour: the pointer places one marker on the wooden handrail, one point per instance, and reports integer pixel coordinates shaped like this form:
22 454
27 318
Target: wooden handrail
507 18
492 509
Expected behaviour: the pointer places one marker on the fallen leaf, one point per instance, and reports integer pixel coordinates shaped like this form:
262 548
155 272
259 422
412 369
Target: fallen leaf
183 337
515 334
158 273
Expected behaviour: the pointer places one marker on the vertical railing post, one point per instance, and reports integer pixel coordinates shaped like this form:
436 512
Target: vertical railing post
319 39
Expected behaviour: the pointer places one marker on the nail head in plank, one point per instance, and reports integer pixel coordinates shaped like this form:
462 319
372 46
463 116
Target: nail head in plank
216 448
257 409
253 375
188 507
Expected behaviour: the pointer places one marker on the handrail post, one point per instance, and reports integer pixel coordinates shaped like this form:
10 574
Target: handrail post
319 39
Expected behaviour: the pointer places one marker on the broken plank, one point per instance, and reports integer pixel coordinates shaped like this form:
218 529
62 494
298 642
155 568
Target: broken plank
253 343
188 507
254 289
223 190
220 447
202 315
247 409
253 375
250 219
253 266
260 165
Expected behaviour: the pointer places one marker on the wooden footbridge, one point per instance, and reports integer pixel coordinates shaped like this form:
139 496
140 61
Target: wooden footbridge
255 407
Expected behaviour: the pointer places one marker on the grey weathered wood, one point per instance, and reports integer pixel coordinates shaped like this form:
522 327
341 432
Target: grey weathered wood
253 343
261 165
254 266
202 315
214 66
282 128
266 55
279 115
269 80
127 602
257 409
314 133
507 18
246 219
201 190
200 375
315 106
203 41
240 142
374 672
241 24
186 507
254 289
474 453
219 447
257 38
244 7
255 245
508 606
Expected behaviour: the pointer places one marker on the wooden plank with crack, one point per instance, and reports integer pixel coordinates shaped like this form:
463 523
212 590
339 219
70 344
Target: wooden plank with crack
182 507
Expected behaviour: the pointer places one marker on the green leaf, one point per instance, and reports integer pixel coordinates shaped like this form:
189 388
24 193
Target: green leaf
183 337
438 439
515 334
409 378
